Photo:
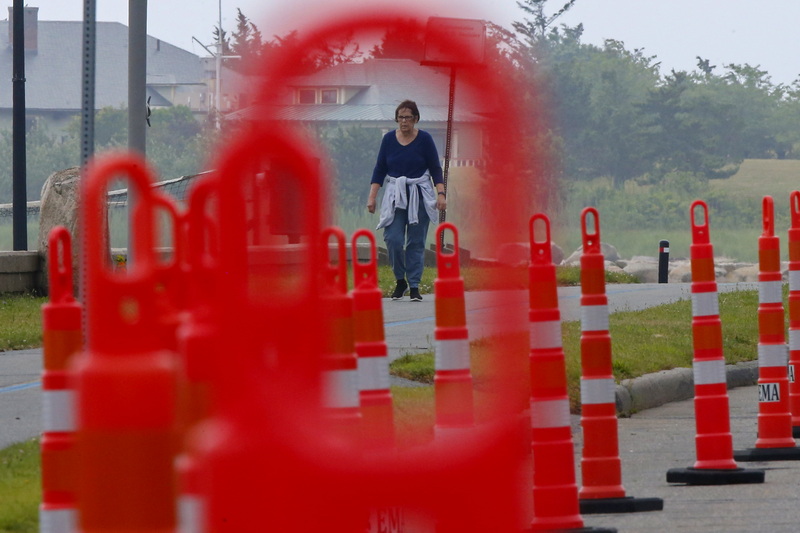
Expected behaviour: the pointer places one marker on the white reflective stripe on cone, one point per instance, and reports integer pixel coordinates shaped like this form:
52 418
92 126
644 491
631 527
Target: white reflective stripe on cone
545 335
58 410
794 339
794 280
709 372
770 292
373 373
190 514
594 318
705 304
771 355
57 520
340 388
549 413
452 354
597 391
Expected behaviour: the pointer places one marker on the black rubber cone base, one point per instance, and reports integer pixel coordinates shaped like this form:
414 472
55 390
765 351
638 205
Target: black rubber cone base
767 454
620 505
711 476
796 432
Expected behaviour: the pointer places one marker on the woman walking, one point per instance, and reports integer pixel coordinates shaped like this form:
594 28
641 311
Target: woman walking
408 164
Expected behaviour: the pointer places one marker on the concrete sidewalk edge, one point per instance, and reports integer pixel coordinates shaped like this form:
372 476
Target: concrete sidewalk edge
659 388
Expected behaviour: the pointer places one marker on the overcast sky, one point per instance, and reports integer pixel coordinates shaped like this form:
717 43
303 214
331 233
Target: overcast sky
761 33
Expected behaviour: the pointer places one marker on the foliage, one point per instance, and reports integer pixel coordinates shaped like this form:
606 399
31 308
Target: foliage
21 319
352 152
402 41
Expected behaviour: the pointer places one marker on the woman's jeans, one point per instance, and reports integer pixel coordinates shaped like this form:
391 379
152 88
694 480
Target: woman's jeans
408 263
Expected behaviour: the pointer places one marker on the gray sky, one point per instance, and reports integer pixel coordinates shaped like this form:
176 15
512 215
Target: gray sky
724 31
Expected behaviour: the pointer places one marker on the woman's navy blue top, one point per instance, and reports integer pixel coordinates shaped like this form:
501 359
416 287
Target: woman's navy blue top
411 160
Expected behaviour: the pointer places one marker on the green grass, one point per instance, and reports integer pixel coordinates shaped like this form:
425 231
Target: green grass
20 487
643 342
759 177
21 319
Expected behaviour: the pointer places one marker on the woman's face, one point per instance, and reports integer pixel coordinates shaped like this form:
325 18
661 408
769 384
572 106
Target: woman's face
406 120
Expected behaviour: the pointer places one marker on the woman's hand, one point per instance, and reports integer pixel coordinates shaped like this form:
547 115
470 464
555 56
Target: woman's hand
371 204
441 202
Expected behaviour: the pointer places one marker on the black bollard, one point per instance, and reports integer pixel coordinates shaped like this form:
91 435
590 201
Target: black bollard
663 261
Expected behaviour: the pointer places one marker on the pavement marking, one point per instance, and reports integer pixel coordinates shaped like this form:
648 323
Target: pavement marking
21 386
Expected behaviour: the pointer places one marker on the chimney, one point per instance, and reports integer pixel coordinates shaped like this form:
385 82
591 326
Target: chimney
31 19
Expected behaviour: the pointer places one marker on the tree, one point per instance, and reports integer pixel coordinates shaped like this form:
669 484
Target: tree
246 42
404 40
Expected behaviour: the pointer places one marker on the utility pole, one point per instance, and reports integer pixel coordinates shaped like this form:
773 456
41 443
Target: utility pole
218 56
19 195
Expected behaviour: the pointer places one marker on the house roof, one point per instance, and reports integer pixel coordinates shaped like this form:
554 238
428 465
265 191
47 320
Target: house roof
377 86
53 72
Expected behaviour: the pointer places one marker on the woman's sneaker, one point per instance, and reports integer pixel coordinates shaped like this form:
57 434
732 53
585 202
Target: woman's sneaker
400 289
415 295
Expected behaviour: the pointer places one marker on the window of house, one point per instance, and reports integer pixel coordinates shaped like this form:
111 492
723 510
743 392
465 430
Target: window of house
329 96
307 96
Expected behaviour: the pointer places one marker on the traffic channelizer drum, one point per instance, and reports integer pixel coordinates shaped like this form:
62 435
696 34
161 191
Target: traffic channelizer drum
775 441
63 338
453 378
125 380
340 393
601 467
794 312
555 493
373 361
714 442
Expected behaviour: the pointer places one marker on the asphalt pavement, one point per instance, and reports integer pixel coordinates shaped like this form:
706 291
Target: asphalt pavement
651 441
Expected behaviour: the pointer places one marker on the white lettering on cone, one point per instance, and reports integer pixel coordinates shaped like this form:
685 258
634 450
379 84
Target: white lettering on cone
769 392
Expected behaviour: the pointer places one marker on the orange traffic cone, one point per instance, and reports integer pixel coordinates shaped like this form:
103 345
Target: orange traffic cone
714 442
794 312
601 467
453 379
125 379
775 441
62 332
340 366
373 361
555 493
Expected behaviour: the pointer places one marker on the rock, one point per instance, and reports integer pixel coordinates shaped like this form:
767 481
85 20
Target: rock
681 273
644 272
609 254
59 207
745 273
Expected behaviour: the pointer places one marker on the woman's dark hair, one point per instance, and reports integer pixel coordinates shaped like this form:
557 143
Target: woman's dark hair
407 104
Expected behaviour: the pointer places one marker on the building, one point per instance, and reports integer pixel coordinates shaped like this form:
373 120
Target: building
366 95
53 72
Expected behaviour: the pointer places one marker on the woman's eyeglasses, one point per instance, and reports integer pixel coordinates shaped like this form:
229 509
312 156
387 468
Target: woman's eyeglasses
402 118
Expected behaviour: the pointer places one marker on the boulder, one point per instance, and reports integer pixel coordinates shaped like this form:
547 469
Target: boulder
645 272
609 254
59 207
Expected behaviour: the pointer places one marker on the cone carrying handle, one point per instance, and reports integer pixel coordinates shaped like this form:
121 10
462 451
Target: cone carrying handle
541 251
59 265
591 241
700 233
768 216
100 175
794 202
364 272
447 263
335 274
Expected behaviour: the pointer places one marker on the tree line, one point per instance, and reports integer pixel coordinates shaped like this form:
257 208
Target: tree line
609 111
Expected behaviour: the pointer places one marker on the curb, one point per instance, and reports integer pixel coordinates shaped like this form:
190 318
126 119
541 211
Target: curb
659 388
